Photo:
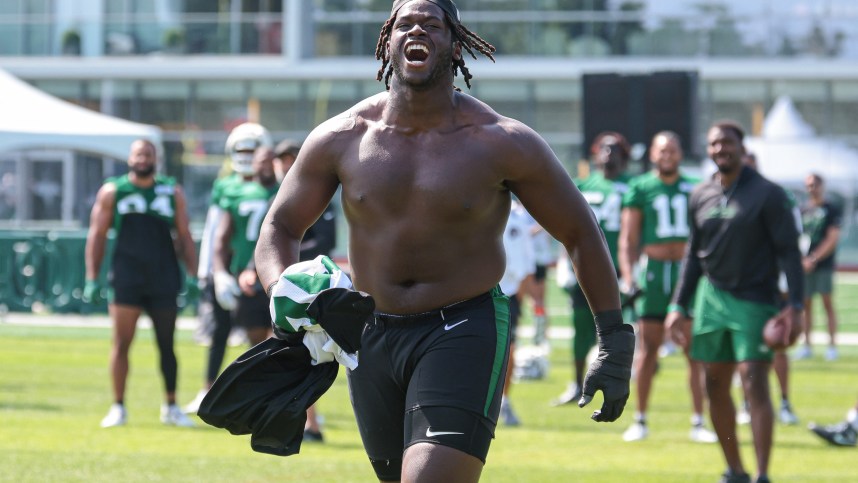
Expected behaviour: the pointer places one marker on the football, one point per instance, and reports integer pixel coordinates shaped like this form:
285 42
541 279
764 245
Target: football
778 333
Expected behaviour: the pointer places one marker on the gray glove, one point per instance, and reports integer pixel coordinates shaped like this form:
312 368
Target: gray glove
610 373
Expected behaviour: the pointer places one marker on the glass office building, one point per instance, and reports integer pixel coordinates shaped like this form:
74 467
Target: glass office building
196 68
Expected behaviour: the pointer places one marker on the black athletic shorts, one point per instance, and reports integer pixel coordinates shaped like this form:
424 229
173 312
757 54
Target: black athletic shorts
540 273
252 311
514 314
434 377
134 282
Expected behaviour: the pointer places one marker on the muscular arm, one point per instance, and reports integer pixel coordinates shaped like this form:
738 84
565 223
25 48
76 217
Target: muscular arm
100 220
183 231
547 192
629 243
303 195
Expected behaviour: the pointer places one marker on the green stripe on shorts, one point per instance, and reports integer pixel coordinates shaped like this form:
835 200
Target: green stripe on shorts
501 303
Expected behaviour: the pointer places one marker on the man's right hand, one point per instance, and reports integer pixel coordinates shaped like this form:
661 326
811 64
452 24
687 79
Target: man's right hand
610 373
677 328
226 290
92 293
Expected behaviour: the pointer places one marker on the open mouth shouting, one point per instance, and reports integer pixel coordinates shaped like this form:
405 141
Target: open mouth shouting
416 53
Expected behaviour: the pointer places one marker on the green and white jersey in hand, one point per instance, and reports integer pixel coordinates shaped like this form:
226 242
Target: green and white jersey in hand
297 288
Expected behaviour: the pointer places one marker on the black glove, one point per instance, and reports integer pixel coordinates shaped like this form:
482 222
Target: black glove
610 373
343 314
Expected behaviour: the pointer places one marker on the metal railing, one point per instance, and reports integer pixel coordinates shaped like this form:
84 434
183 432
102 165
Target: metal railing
825 33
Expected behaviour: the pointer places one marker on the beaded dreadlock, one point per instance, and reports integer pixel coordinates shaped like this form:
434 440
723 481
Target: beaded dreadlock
469 40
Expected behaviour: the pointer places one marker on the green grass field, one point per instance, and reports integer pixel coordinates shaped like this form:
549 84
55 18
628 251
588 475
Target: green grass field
54 390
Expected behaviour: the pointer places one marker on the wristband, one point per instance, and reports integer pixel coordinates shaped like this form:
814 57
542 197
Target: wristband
608 321
271 287
677 308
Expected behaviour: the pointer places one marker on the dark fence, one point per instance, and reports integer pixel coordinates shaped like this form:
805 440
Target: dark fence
46 270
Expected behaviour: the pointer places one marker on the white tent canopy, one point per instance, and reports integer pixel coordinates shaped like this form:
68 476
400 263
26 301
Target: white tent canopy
789 150
32 119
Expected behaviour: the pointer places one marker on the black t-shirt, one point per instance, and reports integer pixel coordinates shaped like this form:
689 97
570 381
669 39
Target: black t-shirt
815 222
740 238
321 238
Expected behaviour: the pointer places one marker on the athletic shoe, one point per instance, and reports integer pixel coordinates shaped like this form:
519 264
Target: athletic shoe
194 406
570 396
700 434
831 353
667 349
762 479
787 416
841 434
116 416
730 477
636 432
802 352
172 415
237 337
314 436
508 415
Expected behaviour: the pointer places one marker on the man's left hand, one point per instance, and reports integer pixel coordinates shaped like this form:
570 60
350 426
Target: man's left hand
610 373
247 280
92 292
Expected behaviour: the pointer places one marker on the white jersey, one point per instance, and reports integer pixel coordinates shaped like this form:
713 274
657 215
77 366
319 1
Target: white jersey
204 267
543 249
518 244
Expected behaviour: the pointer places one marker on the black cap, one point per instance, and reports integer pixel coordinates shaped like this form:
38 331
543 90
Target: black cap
287 146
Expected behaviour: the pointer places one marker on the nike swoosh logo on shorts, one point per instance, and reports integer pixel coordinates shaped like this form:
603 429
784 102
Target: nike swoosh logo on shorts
432 434
450 326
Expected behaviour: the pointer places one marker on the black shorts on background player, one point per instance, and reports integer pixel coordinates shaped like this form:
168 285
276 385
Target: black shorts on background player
144 271
252 311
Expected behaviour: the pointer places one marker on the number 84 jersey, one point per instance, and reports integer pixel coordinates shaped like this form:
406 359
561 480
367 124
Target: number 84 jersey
157 200
664 206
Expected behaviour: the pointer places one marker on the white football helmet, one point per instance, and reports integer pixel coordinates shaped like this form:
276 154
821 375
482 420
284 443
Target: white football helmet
243 140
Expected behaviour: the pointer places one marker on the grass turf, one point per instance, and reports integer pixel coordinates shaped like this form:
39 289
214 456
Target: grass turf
54 390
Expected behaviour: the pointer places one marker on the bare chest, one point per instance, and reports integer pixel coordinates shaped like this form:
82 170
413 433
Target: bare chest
442 175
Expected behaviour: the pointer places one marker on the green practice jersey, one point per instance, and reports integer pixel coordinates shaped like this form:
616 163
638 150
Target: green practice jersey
158 200
247 203
605 198
223 187
143 219
664 206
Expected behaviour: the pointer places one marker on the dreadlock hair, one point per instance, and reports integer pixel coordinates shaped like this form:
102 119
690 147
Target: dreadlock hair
468 40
